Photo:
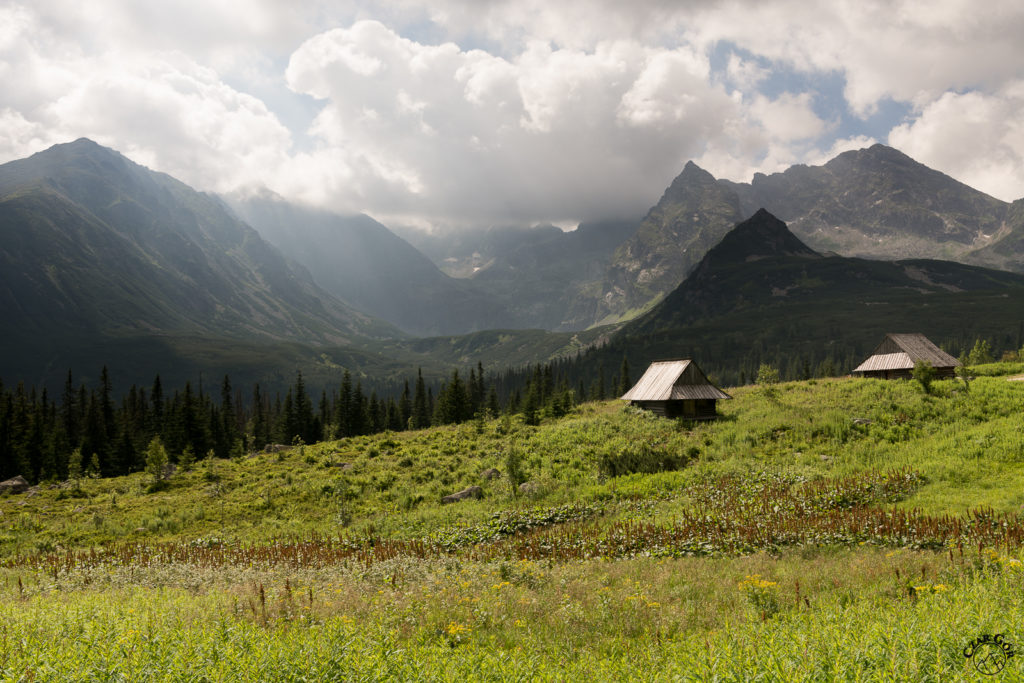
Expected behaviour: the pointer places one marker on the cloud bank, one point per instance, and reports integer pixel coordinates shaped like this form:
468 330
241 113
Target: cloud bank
472 114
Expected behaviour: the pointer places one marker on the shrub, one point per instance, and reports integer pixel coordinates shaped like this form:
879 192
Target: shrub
639 458
925 374
514 470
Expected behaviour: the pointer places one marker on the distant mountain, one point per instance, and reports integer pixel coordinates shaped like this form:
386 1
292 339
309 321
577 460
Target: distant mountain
1007 251
762 296
553 282
875 202
878 203
96 251
692 215
362 262
761 264
543 276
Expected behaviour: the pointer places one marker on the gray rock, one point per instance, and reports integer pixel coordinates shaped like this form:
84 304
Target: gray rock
529 488
16 484
471 492
491 473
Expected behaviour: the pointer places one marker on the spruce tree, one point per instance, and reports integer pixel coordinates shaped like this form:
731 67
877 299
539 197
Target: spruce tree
343 409
156 459
420 409
404 407
624 383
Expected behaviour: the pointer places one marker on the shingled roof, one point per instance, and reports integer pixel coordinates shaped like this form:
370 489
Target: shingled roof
902 351
672 380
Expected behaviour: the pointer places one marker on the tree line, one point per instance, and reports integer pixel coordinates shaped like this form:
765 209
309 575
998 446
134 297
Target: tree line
88 431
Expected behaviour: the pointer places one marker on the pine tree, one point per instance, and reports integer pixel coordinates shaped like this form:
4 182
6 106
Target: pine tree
624 383
358 411
532 405
404 407
343 409
156 399
303 416
420 414
69 411
228 431
260 420
493 408
156 459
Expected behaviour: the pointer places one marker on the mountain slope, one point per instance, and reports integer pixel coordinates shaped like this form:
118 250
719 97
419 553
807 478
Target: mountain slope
878 203
875 203
762 296
1007 251
362 262
692 215
553 280
95 247
761 264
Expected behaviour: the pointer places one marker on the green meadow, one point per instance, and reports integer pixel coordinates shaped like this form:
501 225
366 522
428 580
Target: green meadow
831 529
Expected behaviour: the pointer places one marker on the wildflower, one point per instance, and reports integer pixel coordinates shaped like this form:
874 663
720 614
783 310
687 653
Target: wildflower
755 582
456 629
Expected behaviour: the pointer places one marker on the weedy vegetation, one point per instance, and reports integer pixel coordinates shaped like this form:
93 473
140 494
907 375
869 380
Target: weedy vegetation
820 530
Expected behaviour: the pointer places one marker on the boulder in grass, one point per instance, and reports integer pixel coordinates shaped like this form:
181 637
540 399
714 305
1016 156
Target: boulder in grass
16 484
529 488
471 492
491 473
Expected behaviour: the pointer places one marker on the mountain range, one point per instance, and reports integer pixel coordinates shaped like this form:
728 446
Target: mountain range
875 203
97 252
363 263
103 260
761 295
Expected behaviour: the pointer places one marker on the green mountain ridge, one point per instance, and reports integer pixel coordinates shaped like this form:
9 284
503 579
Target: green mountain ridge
873 203
366 265
95 248
762 296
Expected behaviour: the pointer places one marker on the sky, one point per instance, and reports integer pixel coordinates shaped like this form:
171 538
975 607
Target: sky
474 113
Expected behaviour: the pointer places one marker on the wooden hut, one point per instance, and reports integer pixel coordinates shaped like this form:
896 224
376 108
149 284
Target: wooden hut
896 355
676 388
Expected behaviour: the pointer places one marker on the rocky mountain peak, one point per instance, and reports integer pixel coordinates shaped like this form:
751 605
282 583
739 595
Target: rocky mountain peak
760 236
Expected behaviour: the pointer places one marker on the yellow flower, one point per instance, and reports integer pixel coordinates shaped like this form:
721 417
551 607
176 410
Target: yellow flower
456 629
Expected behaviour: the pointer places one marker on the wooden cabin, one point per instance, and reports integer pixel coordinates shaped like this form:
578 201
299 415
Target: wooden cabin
896 355
676 388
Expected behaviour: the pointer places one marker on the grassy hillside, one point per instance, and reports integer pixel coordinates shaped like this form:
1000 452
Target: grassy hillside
823 529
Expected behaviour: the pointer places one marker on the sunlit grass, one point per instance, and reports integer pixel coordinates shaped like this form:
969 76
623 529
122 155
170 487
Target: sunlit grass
774 553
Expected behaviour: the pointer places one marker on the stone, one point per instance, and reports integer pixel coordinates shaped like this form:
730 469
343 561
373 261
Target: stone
491 473
529 488
16 484
471 492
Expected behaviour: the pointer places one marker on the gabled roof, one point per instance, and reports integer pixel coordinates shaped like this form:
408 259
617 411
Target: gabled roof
671 380
902 351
